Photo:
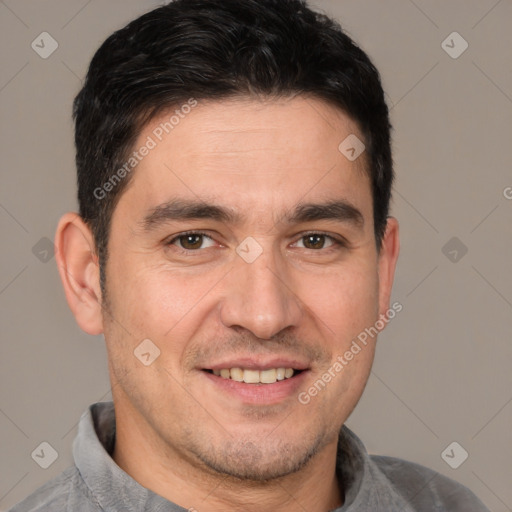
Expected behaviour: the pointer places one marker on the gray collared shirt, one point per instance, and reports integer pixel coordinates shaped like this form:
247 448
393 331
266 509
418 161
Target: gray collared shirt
371 483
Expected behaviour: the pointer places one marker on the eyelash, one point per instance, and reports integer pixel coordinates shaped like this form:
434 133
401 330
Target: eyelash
338 243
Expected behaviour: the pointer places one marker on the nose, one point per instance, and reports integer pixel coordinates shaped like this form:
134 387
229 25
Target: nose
259 297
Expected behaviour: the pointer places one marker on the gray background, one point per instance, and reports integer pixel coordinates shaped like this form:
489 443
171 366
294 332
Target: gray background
442 371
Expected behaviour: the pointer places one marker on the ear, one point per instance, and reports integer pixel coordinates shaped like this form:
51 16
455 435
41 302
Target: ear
388 257
79 272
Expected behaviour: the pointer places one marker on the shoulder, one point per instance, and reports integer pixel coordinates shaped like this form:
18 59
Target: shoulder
425 489
66 492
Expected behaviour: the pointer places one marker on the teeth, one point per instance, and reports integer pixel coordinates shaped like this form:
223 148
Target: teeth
255 376
268 376
236 374
280 373
251 376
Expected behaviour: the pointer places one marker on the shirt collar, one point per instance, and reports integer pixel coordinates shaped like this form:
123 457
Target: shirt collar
109 485
113 489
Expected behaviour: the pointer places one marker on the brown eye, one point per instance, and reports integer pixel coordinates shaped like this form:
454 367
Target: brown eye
318 241
315 241
191 242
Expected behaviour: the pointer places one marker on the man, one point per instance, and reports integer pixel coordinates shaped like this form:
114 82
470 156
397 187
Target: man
234 247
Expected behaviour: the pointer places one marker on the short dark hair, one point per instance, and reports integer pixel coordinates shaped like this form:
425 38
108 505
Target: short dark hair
214 50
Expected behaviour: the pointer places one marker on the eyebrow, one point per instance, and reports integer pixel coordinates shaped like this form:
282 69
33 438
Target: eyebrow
181 209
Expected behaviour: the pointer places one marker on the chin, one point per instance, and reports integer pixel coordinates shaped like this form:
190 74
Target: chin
259 461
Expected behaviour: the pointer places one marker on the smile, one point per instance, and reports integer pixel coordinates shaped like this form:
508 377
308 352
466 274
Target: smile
251 376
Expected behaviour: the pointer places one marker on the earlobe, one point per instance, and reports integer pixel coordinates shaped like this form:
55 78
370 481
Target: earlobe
388 257
79 272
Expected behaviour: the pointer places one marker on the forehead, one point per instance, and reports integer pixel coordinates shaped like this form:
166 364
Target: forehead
251 154
280 130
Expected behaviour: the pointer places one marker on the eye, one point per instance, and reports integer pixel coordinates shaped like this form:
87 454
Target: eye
317 241
192 241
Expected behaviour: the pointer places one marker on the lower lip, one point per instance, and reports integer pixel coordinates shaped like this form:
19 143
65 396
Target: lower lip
259 393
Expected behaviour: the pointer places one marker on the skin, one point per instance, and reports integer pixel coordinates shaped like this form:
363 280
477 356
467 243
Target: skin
179 433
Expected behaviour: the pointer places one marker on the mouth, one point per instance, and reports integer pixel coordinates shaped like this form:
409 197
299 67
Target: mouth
255 376
257 383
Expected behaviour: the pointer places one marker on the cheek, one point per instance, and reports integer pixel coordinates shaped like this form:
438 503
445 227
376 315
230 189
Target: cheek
344 300
168 297
159 303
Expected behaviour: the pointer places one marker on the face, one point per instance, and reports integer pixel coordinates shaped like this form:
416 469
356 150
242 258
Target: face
244 250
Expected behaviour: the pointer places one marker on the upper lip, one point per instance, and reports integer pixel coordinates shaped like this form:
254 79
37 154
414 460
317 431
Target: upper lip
254 363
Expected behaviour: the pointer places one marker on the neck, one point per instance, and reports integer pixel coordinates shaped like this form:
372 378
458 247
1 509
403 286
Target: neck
188 483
